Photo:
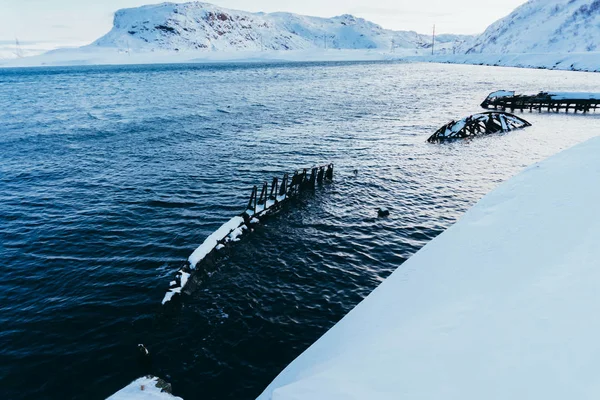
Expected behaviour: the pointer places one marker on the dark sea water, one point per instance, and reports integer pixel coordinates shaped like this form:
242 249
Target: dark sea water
111 176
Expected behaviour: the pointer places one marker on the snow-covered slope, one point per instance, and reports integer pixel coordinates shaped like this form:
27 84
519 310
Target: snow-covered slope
551 34
588 61
500 306
544 26
202 26
146 388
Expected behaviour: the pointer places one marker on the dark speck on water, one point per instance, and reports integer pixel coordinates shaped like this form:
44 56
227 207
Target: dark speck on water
110 177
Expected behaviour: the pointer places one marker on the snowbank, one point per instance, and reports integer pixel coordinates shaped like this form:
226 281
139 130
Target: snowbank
501 305
589 61
147 388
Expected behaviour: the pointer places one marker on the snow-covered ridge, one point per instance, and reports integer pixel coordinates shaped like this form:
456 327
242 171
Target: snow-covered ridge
549 34
544 26
205 27
501 305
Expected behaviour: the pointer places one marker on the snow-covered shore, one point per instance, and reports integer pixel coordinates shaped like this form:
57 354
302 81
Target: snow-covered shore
501 305
146 388
589 61
105 56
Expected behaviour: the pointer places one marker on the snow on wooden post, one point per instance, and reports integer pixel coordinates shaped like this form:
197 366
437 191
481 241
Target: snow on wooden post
259 206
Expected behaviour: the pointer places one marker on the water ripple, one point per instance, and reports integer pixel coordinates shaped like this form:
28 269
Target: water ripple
111 176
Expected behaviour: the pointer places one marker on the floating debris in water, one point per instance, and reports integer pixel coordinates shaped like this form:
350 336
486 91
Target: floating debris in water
383 212
477 125
143 350
269 201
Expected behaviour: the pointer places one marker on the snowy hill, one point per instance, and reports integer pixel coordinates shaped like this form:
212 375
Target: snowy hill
544 26
206 27
202 32
551 34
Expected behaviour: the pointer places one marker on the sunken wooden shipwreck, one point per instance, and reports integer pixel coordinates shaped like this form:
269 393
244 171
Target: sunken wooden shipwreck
478 125
262 203
549 101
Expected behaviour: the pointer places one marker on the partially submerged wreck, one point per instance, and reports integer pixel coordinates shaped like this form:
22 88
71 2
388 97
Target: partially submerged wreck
550 101
268 201
477 125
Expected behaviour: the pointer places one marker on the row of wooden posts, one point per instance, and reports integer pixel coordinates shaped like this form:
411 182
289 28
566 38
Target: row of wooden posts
539 104
302 179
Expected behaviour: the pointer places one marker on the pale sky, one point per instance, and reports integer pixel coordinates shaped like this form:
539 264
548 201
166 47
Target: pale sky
51 23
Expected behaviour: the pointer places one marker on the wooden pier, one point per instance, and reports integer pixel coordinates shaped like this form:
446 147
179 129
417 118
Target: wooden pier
543 101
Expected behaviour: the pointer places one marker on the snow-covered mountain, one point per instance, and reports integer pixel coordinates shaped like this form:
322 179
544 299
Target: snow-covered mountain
544 26
202 26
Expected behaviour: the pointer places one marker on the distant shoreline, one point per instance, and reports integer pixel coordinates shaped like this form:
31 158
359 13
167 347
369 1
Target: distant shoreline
89 56
582 62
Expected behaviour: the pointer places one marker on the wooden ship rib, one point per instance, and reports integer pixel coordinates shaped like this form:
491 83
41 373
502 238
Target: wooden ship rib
478 125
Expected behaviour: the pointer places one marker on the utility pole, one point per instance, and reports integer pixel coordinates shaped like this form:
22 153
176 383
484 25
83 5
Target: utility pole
18 49
325 37
433 42
455 46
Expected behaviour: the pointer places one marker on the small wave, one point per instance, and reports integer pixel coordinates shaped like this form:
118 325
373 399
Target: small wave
170 204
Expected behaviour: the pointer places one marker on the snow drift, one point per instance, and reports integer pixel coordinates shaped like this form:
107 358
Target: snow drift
501 305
